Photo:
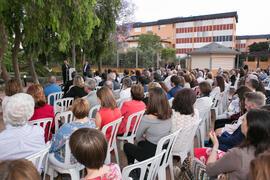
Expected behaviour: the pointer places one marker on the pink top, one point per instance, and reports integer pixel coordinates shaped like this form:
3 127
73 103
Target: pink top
114 173
128 108
44 112
107 116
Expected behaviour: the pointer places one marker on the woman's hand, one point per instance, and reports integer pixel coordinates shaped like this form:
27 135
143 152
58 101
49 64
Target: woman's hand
214 139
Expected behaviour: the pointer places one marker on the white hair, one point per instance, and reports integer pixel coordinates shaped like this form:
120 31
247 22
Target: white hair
112 76
19 109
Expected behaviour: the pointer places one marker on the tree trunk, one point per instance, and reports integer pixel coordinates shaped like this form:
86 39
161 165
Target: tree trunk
32 70
99 64
3 69
73 61
15 52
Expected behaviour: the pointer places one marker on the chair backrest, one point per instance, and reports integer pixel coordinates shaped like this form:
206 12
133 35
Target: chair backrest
150 165
44 123
62 105
120 101
93 111
54 96
114 128
167 142
146 94
185 140
40 158
171 101
137 117
63 117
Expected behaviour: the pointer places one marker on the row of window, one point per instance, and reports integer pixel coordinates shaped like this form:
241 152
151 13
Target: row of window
205 28
204 39
238 46
222 38
183 51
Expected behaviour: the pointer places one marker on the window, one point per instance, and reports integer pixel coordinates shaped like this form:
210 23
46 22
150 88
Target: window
264 58
173 45
149 28
173 36
251 58
137 30
163 26
158 27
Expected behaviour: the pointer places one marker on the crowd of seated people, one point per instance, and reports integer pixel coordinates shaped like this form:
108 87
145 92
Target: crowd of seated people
241 130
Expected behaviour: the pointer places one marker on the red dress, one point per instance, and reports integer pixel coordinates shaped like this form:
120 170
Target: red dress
128 108
44 112
113 174
109 115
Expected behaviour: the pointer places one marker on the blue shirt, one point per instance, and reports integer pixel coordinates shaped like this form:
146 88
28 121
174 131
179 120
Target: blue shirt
173 91
63 134
51 88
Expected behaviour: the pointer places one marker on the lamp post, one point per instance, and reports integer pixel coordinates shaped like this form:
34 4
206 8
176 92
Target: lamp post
24 79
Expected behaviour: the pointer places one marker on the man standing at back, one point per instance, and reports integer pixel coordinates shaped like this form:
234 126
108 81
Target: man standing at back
86 68
65 68
51 88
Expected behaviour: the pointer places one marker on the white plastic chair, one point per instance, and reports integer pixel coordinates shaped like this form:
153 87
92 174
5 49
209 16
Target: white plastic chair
61 105
120 101
93 111
112 141
171 101
55 96
55 166
63 117
40 159
167 160
43 123
137 117
146 94
150 165
185 141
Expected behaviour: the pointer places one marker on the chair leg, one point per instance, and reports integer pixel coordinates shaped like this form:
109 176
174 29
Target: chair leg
162 173
171 168
121 144
116 153
74 174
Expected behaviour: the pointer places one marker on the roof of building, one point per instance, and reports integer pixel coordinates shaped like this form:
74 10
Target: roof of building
214 48
260 36
185 19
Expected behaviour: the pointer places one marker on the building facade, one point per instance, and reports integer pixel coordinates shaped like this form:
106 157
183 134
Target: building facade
186 34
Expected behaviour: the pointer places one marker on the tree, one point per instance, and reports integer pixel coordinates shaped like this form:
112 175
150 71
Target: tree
167 53
149 42
259 47
101 40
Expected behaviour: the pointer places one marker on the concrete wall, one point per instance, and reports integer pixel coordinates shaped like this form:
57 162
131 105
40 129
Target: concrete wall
200 61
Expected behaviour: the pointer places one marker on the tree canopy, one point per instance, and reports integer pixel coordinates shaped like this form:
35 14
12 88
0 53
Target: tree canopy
149 42
259 47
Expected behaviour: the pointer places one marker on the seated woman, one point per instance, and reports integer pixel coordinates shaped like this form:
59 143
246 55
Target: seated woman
80 110
89 147
131 107
19 139
109 111
42 109
154 125
150 86
21 169
11 87
204 102
219 86
236 162
260 167
77 90
183 113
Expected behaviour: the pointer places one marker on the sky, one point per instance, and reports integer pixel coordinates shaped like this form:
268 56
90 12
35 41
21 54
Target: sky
253 16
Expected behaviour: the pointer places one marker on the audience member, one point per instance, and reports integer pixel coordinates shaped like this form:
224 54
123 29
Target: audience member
97 77
236 162
103 79
69 83
89 147
80 109
112 77
42 109
154 125
125 92
109 111
132 76
51 88
150 86
109 84
19 139
163 86
200 77
260 167
204 102
77 90
20 169
131 107
11 87
219 86
187 81
175 83
126 73
89 88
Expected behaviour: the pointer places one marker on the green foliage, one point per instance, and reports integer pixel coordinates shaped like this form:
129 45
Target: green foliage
149 42
259 47
167 53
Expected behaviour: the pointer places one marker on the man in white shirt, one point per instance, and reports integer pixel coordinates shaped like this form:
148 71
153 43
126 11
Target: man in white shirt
19 139
253 100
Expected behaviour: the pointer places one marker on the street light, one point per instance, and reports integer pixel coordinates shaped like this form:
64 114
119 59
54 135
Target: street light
24 79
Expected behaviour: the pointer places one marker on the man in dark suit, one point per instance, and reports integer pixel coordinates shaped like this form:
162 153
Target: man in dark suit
65 69
86 68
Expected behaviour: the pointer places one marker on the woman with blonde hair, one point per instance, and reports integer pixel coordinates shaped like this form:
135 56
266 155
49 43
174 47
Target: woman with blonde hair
77 90
109 111
42 109
260 167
